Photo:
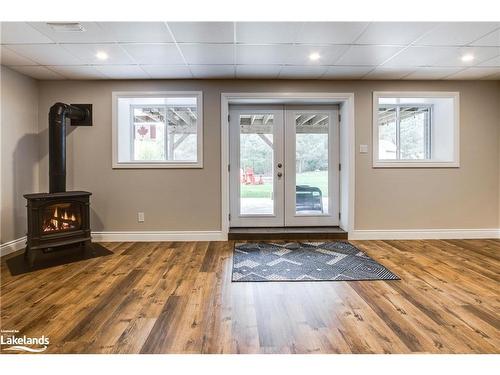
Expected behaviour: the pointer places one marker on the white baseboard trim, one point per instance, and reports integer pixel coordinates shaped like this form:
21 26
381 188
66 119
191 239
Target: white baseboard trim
145 236
423 234
12 246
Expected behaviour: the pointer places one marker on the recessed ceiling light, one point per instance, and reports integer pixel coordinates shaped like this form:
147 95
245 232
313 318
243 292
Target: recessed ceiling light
467 57
66 26
314 56
101 55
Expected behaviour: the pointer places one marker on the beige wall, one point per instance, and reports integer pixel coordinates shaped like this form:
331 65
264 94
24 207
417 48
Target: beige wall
467 197
19 150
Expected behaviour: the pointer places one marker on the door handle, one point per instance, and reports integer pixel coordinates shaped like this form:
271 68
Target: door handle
280 165
280 174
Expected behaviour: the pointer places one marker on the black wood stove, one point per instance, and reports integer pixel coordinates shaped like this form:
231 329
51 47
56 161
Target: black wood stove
59 218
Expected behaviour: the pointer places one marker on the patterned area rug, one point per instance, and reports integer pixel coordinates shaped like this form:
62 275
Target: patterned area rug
305 261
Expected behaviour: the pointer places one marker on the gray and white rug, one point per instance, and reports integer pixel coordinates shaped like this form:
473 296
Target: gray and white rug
305 261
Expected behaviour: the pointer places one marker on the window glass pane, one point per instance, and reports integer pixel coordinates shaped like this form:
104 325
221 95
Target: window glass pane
387 142
149 133
413 133
182 129
256 164
311 152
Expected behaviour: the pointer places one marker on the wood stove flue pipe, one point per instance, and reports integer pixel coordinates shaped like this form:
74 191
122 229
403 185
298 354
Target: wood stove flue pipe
58 114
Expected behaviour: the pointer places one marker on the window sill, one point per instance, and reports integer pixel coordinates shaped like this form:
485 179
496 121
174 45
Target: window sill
173 165
416 164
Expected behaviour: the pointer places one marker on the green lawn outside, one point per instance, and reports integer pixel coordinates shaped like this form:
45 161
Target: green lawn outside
318 179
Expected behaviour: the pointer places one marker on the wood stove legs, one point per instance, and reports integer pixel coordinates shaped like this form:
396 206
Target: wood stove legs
29 256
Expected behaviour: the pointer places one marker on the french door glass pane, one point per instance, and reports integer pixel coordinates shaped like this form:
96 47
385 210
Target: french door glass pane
311 156
256 164
387 130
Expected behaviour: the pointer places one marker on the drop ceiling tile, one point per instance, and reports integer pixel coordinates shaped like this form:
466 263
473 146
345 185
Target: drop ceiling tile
400 33
267 32
480 54
475 73
456 33
145 32
302 72
346 72
328 54
87 53
432 73
257 71
93 33
419 56
122 71
78 72
45 54
492 39
491 62
330 32
167 71
441 56
38 72
263 54
154 54
388 73
212 71
8 57
205 54
367 55
21 32
202 32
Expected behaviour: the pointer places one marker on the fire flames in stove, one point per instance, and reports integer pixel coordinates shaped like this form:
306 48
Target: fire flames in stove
60 220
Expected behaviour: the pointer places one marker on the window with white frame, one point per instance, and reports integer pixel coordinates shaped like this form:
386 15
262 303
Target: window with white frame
157 130
417 129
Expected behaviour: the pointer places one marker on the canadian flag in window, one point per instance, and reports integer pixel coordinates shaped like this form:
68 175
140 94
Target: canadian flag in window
145 132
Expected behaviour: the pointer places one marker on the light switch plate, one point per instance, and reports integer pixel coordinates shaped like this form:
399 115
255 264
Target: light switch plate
363 149
140 217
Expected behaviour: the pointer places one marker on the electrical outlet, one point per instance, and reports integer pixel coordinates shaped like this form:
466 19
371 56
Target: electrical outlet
363 149
140 217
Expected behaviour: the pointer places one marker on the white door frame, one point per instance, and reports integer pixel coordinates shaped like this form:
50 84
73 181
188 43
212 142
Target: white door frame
347 144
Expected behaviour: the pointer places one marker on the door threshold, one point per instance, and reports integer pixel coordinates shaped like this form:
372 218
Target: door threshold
287 233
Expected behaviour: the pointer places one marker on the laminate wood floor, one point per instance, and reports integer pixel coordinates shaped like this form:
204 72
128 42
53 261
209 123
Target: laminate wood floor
177 297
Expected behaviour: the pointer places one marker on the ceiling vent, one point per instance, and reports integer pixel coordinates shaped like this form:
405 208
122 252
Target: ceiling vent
74 27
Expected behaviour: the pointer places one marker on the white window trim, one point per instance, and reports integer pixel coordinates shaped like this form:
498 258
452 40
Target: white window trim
157 164
455 163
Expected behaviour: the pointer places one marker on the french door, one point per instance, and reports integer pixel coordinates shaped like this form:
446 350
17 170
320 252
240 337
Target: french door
284 166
